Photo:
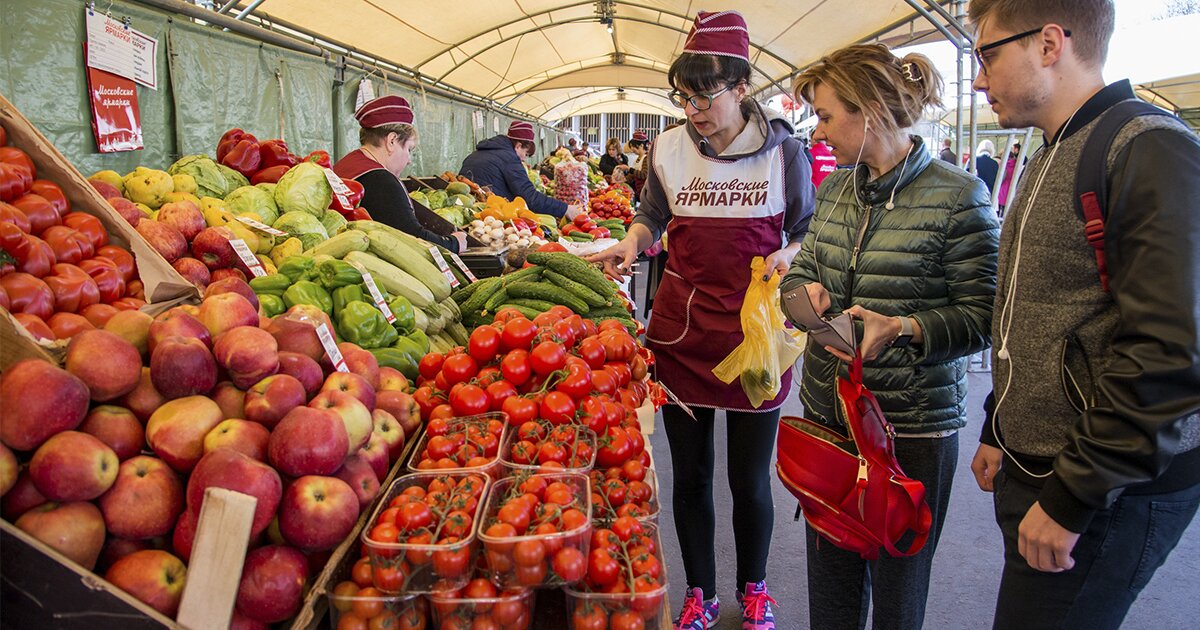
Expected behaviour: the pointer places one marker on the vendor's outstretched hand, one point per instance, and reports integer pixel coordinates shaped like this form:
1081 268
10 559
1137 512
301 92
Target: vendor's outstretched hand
618 259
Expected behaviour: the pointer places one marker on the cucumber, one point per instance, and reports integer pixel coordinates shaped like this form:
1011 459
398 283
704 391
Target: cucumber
498 298
581 291
461 294
576 269
524 310
611 223
548 292
487 288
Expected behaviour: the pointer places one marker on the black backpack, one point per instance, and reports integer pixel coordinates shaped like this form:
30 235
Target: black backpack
1091 181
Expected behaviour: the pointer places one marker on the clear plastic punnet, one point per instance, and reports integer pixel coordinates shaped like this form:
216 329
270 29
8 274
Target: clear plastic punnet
469 434
646 597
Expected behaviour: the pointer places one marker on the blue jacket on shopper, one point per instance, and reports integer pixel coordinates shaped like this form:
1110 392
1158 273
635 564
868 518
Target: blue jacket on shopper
495 164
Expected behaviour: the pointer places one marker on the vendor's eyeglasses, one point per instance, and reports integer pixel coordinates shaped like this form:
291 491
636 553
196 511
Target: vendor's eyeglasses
979 56
699 101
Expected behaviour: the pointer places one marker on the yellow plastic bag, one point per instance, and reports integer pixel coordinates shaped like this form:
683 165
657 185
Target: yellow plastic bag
769 347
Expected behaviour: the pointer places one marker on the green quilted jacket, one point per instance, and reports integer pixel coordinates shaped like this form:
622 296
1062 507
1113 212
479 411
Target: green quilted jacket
932 258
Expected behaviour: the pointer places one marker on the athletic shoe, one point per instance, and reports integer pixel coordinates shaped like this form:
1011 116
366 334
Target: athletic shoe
698 614
756 607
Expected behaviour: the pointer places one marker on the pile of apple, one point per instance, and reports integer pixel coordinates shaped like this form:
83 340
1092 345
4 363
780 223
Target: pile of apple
59 274
107 459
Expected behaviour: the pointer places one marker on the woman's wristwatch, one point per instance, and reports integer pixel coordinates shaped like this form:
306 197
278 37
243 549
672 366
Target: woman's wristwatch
906 334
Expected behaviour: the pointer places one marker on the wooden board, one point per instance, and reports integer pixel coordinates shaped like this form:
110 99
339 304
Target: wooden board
222 536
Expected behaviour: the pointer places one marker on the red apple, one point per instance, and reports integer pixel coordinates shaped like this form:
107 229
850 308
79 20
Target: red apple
359 475
308 441
144 399
9 470
225 311
182 366
248 353
306 370
230 399
353 413
232 470
353 384
242 622
118 428
272 585
273 397
232 272
177 322
390 431
402 407
126 208
165 240
26 420
233 285
73 466
145 501
296 330
21 498
391 380
154 577
177 429
243 436
361 362
317 512
193 271
75 530
117 548
212 247
183 216
375 452
107 364
184 535
132 326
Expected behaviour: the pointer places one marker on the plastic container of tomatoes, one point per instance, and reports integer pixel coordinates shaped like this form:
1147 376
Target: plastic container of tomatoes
605 511
415 562
469 426
537 556
574 451
636 561
371 608
465 608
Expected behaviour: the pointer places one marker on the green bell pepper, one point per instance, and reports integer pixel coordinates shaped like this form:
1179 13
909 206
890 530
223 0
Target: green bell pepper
397 359
362 324
335 273
421 340
272 305
270 284
311 293
404 312
342 296
295 267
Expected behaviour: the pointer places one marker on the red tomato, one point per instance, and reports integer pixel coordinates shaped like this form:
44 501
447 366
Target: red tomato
547 357
459 368
558 408
523 452
626 620
518 334
626 528
67 325
577 384
531 576
430 365
457 524
515 513
68 245
498 392
570 564
637 442
591 350
52 193
123 260
603 569
552 247
17 157
604 381
633 470
528 553
552 452
470 400
88 226
546 320
519 409
413 515
40 212
619 370
480 588
614 448
484 344
515 367
451 563
589 616
107 277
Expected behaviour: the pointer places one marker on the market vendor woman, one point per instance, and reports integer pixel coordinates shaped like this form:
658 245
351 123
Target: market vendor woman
388 139
497 164
729 185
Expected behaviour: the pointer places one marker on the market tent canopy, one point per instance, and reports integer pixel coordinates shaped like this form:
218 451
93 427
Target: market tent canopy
1178 93
511 50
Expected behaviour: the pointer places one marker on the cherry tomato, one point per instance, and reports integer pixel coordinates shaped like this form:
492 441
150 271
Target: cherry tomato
627 620
626 528
515 513
552 452
451 563
570 564
361 573
589 616
603 569
413 516
638 491
528 553
523 452
484 344
531 575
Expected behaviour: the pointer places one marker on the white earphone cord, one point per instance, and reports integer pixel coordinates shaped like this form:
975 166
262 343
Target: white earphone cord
1007 308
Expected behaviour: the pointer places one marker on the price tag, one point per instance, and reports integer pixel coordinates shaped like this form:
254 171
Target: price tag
340 190
375 294
248 257
442 266
463 266
262 227
331 349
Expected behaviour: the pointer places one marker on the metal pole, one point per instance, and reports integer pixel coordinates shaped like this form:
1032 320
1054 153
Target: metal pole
248 10
953 21
974 119
226 7
958 97
224 21
932 20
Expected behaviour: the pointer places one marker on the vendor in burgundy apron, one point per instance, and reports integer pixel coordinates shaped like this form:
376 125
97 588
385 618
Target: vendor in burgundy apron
730 185
388 138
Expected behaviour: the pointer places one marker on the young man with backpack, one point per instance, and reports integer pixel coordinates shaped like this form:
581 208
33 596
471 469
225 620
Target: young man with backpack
1093 442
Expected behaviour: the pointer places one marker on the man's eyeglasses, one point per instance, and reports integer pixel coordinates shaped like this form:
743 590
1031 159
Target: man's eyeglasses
1007 40
699 101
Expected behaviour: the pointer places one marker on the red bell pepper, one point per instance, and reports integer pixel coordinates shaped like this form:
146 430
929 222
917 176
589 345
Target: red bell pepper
74 290
244 157
275 153
68 244
320 157
359 214
108 278
356 191
269 175
228 140
27 294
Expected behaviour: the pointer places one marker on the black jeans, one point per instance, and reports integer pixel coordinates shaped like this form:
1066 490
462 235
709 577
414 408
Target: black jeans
842 586
1114 559
750 443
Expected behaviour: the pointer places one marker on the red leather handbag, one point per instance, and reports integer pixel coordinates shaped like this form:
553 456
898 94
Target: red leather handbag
851 489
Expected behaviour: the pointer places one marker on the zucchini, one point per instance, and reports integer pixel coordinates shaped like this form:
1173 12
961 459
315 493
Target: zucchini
340 245
437 321
548 292
581 291
450 315
394 279
455 311
524 310
393 249
458 333
446 341
438 344
576 269
420 320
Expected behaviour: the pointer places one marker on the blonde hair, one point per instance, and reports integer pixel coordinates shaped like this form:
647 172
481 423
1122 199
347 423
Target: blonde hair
1091 22
612 143
377 135
891 92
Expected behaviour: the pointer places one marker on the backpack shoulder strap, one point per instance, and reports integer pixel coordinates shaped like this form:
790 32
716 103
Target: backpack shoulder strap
1091 180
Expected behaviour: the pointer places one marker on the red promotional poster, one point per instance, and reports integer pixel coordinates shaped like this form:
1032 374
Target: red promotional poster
116 121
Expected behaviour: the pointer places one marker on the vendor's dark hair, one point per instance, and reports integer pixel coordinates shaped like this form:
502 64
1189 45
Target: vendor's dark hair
530 147
378 135
707 73
638 143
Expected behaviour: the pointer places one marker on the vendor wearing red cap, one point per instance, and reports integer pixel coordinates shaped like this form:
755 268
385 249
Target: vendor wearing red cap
388 139
729 185
497 164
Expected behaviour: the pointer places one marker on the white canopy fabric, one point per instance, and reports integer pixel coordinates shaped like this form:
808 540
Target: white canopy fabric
524 52
1177 93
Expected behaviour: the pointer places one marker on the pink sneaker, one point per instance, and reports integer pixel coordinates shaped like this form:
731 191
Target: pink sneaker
756 607
698 614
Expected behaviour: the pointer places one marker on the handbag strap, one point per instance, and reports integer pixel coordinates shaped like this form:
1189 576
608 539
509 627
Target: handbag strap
915 492
856 369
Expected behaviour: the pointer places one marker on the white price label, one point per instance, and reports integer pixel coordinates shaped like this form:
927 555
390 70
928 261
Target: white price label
331 349
442 266
262 227
463 266
340 189
115 47
248 257
375 294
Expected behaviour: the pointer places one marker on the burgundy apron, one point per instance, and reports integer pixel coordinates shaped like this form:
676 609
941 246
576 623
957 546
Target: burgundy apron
725 214
356 164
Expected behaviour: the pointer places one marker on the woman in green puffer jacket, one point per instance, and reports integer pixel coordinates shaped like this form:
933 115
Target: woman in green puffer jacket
907 244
